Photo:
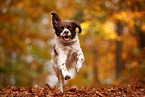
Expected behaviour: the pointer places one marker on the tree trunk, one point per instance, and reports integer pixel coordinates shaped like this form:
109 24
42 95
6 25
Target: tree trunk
6 79
119 61
141 40
95 67
140 34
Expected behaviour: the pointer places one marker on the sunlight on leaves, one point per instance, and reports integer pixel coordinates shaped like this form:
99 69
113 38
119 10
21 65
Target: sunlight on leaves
109 29
85 27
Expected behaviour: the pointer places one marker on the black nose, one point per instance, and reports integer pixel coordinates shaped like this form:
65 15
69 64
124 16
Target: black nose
65 32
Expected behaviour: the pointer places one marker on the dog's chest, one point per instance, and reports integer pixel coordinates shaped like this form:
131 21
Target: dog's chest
70 52
71 58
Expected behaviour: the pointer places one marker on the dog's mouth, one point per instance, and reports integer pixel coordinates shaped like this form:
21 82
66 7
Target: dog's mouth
66 38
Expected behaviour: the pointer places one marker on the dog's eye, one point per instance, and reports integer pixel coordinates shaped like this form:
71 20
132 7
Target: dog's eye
68 27
61 28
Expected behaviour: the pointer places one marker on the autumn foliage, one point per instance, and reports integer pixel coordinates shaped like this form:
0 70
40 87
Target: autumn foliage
131 89
112 40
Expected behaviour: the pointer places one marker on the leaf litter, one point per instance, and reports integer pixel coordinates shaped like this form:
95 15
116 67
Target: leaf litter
129 89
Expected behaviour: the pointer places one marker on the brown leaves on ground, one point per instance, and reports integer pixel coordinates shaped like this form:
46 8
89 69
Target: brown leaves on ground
130 89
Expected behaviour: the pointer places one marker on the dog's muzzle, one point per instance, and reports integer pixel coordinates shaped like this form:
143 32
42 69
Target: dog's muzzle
66 34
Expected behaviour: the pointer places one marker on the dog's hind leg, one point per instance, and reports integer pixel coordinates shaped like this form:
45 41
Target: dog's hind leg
60 81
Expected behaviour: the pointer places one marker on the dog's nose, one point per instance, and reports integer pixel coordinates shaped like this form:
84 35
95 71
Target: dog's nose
66 32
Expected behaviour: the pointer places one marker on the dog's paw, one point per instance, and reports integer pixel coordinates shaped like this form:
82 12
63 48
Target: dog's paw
67 77
77 68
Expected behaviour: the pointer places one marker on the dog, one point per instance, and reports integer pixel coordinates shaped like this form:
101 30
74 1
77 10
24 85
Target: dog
66 51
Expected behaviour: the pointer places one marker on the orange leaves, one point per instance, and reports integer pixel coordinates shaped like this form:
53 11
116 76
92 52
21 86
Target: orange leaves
35 12
130 89
128 16
26 30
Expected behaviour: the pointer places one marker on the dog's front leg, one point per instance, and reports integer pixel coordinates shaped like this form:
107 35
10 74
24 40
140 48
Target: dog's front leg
80 60
62 65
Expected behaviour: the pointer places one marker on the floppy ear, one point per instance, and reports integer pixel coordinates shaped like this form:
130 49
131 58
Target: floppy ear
55 20
77 24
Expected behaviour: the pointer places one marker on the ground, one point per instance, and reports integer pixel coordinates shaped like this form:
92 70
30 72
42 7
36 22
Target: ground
131 89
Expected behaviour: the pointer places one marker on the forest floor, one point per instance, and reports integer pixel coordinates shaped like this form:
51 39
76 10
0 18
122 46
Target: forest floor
131 89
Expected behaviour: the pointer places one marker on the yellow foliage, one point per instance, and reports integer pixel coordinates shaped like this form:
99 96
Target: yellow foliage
108 27
20 5
109 30
21 20
85 26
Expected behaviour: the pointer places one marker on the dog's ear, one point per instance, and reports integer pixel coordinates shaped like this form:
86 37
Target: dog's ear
77 24
55 20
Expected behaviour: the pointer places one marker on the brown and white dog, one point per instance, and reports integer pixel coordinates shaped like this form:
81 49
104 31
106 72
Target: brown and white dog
66 50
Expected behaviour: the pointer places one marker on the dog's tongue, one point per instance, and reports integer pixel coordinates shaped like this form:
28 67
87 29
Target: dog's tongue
66 38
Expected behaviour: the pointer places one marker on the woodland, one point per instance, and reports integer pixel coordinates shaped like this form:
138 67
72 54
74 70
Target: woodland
112 40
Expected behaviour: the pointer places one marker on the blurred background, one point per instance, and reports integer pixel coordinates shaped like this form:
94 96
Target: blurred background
113 41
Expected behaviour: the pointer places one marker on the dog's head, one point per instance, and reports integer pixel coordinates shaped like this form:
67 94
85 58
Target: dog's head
65 30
